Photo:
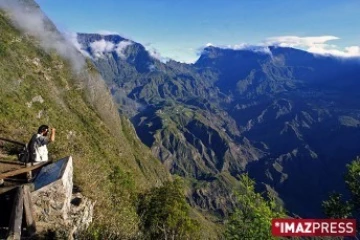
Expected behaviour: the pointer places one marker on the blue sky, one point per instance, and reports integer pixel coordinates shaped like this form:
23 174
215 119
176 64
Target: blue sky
177 29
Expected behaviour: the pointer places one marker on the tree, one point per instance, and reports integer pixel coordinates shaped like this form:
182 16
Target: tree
335 206
165 213
352 180
252 219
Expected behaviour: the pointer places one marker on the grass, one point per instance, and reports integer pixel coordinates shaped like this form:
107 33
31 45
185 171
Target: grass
111 165
88 127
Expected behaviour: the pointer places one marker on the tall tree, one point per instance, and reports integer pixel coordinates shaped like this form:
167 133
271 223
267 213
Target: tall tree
165 213
252 219
352 180
336 206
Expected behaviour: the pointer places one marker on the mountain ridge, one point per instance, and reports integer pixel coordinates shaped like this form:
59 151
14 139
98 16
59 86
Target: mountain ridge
270 109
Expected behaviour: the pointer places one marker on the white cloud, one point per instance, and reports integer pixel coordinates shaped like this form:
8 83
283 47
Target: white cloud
295 41
317 45
102 47
241 46
72 38
120 48
353 50
156 54
99 48
32 21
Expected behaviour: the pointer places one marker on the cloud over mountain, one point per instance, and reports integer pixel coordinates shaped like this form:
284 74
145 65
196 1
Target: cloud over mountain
295 41
317 45
29 18
243 46
120 48
154 53
98 48
101 47
72 38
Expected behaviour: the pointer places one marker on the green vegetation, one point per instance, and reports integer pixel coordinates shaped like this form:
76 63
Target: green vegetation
338 207
111 166
252 219
287 121
135 198
166 214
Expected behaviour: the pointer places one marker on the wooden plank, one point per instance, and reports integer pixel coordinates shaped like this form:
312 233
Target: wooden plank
6 189
12 162
6 167
22 170
16 215
12 141
29 212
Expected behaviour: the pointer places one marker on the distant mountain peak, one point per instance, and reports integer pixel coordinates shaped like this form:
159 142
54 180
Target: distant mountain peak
240 48
248 53
273 49
98 45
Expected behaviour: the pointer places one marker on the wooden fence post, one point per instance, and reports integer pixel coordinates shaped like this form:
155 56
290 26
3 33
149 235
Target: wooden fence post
16 215
29 212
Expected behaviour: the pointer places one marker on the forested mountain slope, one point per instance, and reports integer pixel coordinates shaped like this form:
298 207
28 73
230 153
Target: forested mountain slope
288 117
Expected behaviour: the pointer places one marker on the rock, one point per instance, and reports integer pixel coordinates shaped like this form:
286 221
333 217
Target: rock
81 213
55 207
35 99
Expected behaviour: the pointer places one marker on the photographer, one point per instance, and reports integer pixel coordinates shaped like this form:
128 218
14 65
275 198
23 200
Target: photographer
38 144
